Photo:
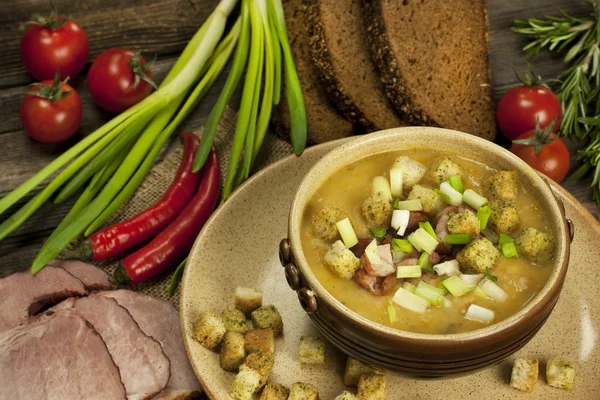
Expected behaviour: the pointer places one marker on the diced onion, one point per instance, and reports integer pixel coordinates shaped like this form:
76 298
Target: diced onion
423 240
347 232
447 268
474 199
396 181
380 184
410 205
400 220
410 301
480 314
450 195
492 290
471 280
408 271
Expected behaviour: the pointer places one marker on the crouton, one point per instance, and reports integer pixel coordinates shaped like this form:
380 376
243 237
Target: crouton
354 370
371 387
464 222
504 217
412 171
235 321
261 363
324 223
303 391
431 200
535 245
245 384
503 185
247 299
478 256
209 330
275 391
524 374
268 317
346 395
232 351
341 260
311 350
442 170
377 210
560 374
262 340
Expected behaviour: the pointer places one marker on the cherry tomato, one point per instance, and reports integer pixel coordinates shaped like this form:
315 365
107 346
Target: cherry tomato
53 113
118 79
553 159
55 43
522 106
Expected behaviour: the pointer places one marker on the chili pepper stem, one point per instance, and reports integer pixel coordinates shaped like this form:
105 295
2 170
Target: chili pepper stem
79 251
120 276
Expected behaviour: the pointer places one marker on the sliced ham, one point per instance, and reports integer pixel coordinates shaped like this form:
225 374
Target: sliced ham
92 277
57 356
160 320
377 285
144 368
23 294
384 266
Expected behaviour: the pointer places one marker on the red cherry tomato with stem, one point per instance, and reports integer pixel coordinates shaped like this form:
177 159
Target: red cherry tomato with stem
521 107
543 151
51 111
118 79
54 43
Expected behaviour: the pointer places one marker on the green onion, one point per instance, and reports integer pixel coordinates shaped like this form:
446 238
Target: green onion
395 203
442 287
458 238
509 250
409 287
491 277
430 293
480 314
392 313
347 232
471 279
378 232
492 290
402 246
473 199
410 301
380 185
408 271
483 214
421 239
447 268
410 205
480 293
503 239
450 195
456 286
424 262
396 174
457 184
428 228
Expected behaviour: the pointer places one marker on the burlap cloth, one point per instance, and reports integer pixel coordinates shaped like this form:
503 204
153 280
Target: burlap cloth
161 175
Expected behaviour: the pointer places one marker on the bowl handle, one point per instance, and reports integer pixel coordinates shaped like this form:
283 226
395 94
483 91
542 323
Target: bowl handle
307 298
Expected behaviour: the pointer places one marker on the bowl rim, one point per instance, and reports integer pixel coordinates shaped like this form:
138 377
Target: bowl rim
529 310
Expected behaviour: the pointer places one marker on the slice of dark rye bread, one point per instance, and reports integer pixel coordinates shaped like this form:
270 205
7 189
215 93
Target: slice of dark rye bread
341 56
433 60
324 121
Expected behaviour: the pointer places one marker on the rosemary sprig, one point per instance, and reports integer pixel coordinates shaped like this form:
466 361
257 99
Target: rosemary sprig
590 156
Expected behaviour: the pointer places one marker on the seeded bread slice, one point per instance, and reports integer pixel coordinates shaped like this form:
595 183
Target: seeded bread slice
433 60
324 121
342 58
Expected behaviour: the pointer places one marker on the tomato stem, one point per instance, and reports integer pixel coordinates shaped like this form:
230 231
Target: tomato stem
52 22
53 93
139 71
541 137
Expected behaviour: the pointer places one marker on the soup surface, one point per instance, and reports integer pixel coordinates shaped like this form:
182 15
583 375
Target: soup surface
519 260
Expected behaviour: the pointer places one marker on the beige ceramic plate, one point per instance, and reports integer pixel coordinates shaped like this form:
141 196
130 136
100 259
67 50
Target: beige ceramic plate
239 246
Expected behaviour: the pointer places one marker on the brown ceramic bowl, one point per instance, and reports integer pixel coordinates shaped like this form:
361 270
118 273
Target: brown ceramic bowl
414 354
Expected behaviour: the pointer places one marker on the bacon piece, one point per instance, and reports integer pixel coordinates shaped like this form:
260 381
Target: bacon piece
384 266
434 258
379 286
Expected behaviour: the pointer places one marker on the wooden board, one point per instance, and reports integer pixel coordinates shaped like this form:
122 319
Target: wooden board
162 28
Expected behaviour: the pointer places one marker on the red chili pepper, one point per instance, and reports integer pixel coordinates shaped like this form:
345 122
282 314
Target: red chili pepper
114 239
175 242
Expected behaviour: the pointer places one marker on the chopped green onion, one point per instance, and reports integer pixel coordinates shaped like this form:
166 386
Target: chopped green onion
392 313
380 185
473 199
430 293
397 200
446 302
491 277
483 214
480 293
378 232
456 286
396 181
450 195
424 262
410 205
397 256
492 290
447 268
458 238
410 301
402 245
400 220
427 226
509 250
471 279
421 239
409 287
442 287
347 232
408 271
479 314
503 239
457 184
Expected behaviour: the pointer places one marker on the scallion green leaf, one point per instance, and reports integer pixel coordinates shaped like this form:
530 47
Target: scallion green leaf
378 232
483 214
456 183
424 263
402 245
509 250
458 238
428 228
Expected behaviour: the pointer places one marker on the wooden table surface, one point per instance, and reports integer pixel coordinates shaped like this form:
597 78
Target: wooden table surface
162 28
